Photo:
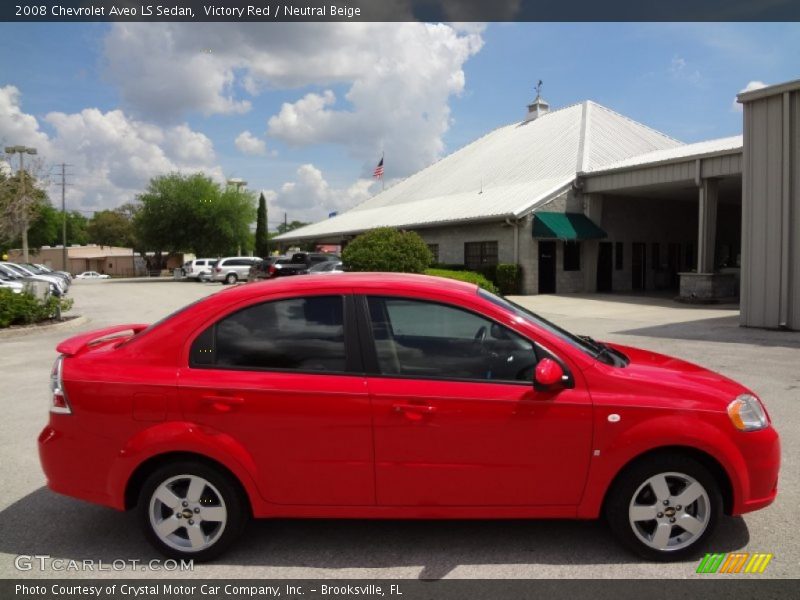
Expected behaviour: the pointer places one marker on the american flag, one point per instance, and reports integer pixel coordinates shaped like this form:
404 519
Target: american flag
378 172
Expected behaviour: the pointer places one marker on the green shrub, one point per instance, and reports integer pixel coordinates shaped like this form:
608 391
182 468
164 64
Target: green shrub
490 272
25 308
387 249
468 276
508 278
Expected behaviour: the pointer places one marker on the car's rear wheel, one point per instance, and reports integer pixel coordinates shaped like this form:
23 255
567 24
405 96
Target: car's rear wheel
190 510
664 508
231 278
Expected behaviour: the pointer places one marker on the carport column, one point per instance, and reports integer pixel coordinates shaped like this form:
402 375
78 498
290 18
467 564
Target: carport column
593 209
707 225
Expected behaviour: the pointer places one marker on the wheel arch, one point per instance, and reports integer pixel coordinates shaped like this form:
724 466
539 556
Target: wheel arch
707 460
149 466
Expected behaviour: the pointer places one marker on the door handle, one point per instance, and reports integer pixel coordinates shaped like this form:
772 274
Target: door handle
415 412
222 403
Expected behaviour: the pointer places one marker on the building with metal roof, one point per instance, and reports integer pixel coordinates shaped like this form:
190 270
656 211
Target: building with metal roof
586 199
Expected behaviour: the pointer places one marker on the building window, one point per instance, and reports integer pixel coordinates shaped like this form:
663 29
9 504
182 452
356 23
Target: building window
434 248
480 254
656 257
572 256
618 256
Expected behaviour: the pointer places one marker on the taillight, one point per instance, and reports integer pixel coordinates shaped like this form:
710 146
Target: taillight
272 269
218 269
59 403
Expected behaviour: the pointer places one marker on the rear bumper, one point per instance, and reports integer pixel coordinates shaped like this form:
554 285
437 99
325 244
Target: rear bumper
78 465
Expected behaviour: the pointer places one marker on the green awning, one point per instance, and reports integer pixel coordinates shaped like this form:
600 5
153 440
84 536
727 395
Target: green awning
565 226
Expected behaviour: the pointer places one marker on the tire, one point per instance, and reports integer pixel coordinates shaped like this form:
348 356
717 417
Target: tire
231 278
181 524
637 514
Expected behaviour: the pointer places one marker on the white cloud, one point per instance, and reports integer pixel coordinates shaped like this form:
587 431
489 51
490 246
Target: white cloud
752 85
309 197
111 156
16 127
247 143
682 71
398 79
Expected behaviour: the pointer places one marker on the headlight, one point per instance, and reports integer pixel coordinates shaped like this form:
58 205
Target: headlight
747 413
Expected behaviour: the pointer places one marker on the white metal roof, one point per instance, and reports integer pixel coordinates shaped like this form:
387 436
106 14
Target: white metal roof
506 173
686 151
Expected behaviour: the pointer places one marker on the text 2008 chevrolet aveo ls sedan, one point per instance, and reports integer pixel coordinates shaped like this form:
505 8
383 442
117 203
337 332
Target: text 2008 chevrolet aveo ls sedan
396 396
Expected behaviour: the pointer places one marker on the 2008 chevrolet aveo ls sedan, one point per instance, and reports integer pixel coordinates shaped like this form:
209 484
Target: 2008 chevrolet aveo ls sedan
396 396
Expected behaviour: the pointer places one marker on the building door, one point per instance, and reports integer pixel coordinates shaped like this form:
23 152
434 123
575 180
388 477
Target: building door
639 266
547 267
674 264
605 267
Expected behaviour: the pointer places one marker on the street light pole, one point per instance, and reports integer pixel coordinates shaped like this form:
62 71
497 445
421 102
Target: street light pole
22 151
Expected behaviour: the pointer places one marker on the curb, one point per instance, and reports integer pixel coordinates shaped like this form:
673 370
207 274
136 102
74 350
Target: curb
49 328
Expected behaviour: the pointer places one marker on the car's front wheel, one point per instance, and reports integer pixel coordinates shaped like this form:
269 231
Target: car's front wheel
664 508
190 510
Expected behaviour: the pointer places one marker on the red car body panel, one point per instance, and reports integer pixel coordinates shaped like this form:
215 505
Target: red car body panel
371 446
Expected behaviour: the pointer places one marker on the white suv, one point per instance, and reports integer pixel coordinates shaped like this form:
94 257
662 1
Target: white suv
199 268
233 268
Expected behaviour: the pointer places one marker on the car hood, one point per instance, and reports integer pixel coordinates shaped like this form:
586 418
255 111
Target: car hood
674 381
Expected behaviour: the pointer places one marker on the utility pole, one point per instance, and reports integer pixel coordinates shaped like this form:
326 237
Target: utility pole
63 185
23 199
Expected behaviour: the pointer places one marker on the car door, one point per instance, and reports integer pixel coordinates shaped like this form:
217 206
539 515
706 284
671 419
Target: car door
457 421
281 379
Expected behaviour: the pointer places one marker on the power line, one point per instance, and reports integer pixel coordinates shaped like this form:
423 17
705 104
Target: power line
63 186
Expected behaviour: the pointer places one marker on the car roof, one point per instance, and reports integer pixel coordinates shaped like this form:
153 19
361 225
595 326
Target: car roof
396 282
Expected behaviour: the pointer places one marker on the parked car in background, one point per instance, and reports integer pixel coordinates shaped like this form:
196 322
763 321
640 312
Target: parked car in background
14 285
39 270
199 268
49 270
329 267
260 270
300 263
233 268
59 286
384 395
92 275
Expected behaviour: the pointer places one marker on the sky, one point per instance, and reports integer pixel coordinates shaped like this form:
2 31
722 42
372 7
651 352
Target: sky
303 112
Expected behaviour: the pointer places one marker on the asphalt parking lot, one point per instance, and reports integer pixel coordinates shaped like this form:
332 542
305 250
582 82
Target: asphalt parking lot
34 521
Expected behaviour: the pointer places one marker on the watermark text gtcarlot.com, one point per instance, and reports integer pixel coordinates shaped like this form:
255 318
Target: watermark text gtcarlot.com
45 562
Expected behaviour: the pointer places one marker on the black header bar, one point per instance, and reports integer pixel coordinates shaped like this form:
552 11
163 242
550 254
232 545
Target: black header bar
264 11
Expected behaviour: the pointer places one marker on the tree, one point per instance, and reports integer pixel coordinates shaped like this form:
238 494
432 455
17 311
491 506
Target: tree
262 241
77 229
192 213
291 226
111 228
22 197
387 249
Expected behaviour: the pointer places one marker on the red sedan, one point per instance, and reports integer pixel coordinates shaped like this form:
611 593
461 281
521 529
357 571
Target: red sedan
396 396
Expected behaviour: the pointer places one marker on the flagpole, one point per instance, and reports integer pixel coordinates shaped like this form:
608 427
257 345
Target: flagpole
383 178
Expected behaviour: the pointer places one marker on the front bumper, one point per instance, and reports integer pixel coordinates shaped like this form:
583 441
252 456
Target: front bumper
761 451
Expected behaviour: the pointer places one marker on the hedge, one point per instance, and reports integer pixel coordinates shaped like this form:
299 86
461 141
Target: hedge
468 276
388 250
25 308
507 278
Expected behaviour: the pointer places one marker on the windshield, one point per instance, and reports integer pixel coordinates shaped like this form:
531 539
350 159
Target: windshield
585 344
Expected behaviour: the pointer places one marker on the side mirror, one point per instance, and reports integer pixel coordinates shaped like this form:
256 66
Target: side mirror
548 372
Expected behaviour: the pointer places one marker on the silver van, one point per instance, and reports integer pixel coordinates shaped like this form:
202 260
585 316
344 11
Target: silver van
233 268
